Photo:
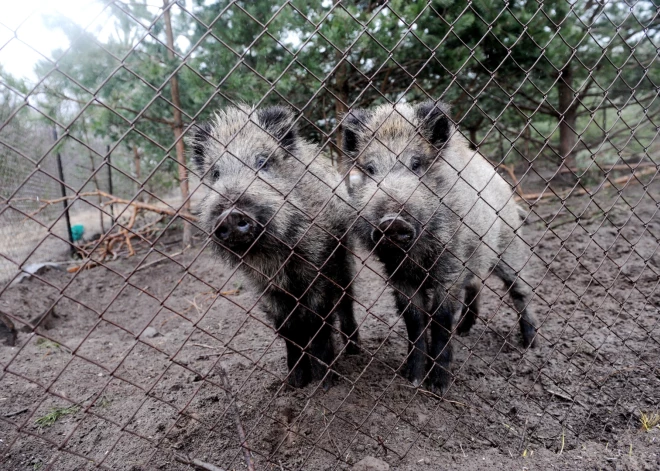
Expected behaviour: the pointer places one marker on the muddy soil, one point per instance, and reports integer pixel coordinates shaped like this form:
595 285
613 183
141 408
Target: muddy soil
144 366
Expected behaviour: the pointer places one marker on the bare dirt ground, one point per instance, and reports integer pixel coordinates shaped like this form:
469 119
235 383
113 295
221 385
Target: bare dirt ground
136 398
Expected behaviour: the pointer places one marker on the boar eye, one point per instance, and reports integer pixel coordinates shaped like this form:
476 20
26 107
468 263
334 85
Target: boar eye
215 174
415 164
262 163
370 168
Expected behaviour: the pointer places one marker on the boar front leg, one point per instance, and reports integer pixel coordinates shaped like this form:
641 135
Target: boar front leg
344 275
322 352
470 309
285 314
347 324
416 321
441 354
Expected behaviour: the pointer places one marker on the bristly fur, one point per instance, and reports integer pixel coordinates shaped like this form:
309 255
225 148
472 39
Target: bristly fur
255 162
418 170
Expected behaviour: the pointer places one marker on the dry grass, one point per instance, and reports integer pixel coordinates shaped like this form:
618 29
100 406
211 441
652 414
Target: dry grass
649 421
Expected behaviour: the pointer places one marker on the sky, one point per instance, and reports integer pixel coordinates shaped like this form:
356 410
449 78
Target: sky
24 39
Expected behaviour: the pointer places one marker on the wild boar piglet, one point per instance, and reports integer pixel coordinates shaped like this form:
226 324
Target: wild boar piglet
276 209
441 219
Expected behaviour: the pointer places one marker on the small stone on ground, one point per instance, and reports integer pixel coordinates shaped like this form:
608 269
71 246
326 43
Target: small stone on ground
150 333
371 464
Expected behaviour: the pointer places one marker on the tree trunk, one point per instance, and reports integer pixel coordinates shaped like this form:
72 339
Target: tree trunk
96 185
136 164
178 129
95 178
341 101
568 118
473 137
340 110
528 139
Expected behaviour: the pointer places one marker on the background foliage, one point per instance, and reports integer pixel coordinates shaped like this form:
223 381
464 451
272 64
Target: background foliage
529 81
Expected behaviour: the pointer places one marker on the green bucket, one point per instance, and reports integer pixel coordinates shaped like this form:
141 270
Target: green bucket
77 232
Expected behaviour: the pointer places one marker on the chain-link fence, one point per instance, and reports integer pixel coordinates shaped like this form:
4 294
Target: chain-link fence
335 275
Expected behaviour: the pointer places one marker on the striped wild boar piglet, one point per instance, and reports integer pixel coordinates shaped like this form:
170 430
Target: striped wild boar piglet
276 209
441 220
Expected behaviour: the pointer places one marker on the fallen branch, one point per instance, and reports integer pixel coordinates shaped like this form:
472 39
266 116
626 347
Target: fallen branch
609 168
124 237
160 260
125 231
548 194
86 265
110 199
228 352
18 412
565 397
237 416
582 220
127 236
325 423
516 183
443 399
203 345
196 463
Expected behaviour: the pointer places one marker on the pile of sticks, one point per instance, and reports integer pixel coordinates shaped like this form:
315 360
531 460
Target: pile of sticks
111 243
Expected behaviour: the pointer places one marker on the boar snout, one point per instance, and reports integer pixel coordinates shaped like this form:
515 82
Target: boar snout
236 229
395 230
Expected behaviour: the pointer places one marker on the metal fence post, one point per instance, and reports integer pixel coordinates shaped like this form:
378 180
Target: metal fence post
65 202
110 190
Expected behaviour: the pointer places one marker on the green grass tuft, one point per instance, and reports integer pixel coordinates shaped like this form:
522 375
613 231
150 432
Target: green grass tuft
55 414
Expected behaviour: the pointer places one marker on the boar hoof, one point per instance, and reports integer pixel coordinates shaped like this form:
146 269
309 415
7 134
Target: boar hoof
465 325
352 348
414 372
528 336
439 380
438 390
329 381
299 378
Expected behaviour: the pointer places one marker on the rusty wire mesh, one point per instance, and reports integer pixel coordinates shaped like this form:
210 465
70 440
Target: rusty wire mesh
143 351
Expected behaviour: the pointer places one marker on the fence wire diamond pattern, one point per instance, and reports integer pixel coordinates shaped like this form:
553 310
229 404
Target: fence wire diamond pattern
359 235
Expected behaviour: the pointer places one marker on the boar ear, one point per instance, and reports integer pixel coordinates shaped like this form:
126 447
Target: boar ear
435 124
279 121
201 135
355 122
